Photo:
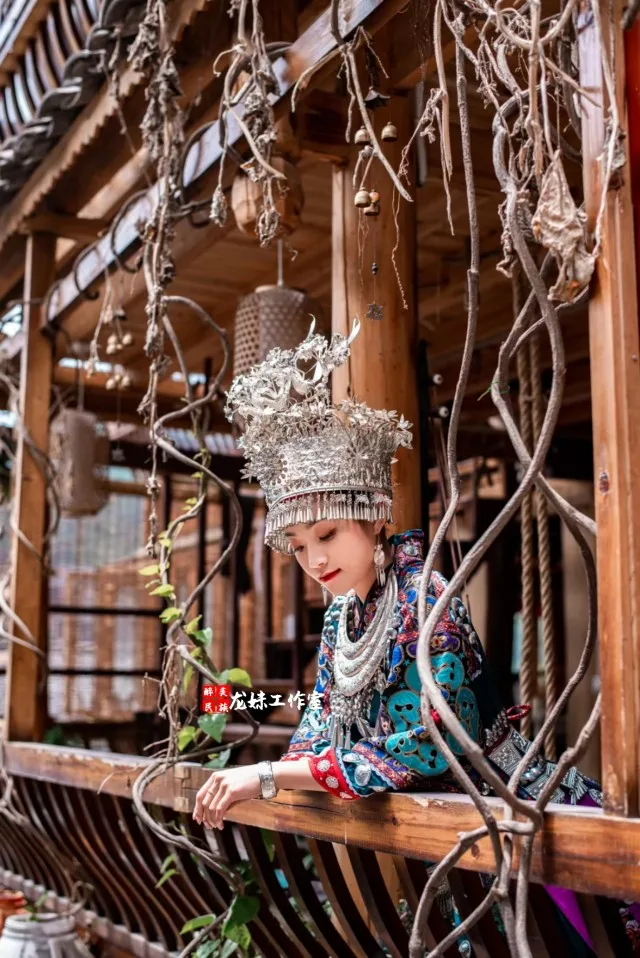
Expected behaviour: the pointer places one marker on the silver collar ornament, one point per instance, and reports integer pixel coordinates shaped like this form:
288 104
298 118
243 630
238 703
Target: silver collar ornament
359 667
313 459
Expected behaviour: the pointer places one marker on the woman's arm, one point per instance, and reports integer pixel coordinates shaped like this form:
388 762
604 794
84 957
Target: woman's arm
223 789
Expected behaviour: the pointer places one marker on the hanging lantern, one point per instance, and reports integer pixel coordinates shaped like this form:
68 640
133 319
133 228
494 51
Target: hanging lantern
272 316
246 199
79 456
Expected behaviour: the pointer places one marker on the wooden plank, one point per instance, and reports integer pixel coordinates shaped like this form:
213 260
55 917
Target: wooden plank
314 44
382 367
25 710
615 384
581 848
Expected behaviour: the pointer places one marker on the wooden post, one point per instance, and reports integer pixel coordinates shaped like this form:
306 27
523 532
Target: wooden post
25 711
383 367
615 391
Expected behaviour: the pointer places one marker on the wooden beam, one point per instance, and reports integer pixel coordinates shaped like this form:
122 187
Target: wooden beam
310 48
615 379
579 848
25 711
77 228
382 368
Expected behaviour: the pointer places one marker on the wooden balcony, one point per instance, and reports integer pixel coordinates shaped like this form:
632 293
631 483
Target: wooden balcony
317 850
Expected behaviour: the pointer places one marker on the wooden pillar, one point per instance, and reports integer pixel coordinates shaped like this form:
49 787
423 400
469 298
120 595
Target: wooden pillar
615 391
25 710
383 367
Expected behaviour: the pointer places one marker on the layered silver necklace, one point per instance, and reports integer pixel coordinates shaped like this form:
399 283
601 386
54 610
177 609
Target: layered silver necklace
357 671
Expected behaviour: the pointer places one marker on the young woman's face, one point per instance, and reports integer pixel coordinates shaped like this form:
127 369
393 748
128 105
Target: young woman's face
337 553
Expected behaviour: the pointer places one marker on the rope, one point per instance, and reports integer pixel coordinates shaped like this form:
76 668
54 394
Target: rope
544 560
529 651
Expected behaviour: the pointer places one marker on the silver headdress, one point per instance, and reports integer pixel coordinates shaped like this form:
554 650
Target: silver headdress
314 460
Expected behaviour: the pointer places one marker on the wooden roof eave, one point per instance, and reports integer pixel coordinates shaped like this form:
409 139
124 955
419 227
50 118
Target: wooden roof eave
312 46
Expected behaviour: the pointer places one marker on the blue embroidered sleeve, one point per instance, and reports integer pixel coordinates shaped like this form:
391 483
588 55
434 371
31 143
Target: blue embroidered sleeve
402 756
311 736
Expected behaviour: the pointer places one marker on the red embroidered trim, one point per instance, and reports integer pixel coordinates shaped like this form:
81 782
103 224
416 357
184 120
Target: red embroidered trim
327 772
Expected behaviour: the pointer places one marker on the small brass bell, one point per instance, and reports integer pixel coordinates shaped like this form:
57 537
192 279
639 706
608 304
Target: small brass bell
372 210
362 198
374 197
362 137
390 133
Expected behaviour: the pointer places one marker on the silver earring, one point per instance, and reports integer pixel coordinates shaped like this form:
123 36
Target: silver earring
378 561
325 595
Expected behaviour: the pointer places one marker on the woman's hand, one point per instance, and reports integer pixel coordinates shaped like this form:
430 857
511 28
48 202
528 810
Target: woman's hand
222 790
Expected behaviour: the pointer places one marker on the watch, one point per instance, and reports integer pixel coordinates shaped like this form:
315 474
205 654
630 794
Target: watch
267 781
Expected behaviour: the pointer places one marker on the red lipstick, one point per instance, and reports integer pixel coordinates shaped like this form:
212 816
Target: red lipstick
329 576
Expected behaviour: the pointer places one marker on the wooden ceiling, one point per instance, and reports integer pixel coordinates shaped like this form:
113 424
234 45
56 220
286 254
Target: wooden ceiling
217 267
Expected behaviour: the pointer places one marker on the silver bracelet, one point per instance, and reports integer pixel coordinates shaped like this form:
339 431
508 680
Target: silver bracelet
267 780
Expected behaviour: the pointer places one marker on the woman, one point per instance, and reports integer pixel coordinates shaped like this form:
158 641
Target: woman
326 474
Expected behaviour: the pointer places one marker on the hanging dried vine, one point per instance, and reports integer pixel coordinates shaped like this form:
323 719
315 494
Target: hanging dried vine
521 66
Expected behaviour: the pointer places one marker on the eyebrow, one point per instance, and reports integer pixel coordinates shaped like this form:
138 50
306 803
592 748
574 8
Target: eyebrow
292 535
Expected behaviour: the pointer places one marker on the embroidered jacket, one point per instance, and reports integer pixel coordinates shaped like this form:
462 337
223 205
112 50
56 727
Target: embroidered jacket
401 756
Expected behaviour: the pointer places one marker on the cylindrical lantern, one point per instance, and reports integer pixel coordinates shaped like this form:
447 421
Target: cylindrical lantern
79 456
272 316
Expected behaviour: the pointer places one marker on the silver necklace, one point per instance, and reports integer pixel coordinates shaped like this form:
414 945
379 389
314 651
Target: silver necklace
356 666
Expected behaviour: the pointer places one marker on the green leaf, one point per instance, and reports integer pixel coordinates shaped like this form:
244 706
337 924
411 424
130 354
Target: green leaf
240 677
223 677
219 760
169 860
165 541
207 949
267 837
197 653
192 626
203 637
228 948
164 590
191 502
186 678
186 735
240 934
167 875
243 909
195 923
196 475
170 614
213 725
150 570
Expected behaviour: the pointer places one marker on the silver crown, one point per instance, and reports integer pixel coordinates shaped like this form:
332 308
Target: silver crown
314 460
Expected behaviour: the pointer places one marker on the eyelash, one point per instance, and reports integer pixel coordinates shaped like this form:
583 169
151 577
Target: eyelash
324 538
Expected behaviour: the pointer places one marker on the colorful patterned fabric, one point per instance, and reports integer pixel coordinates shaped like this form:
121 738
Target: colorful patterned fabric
401 757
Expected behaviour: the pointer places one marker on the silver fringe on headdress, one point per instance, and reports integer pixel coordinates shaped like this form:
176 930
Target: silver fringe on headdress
314 460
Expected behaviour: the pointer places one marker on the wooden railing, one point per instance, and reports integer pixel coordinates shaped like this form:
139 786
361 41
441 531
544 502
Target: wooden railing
81 801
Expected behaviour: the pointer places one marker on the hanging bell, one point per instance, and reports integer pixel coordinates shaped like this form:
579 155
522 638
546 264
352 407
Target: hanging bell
362 198
362 137
390 133
127 339
372 210
374 197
